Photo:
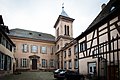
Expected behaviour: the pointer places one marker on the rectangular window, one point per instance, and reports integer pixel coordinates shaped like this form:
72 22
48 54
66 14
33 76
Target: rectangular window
92 67
51 63
25 48
76 49
16 59
8 46
64 54
24 62
0 38
57 32
83 46
69 52
65 65
65 29
34 49
44 63
68 30
95 52
43 49
75 63
2 60
8 63
3 41
52 49
70 64
11 48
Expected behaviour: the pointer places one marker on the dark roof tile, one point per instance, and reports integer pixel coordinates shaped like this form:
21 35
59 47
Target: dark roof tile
31 34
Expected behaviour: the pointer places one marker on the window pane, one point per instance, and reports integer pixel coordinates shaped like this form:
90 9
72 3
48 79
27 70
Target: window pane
76 63
23 62
64 54
34 49
64 64
69 52
43 50
43 63
25 48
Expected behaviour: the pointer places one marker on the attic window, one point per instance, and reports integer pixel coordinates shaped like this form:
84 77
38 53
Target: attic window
30 33
112 8
39 34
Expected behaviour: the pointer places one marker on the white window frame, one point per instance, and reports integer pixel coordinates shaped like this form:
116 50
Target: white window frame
34 49
24 62
91 66
75 63
44 63
25 48
43 49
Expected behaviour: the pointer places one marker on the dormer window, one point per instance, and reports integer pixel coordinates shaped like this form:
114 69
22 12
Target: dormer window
112 8
30 33
39 34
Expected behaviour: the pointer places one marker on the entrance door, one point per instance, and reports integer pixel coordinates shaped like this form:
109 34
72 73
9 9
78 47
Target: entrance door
34 63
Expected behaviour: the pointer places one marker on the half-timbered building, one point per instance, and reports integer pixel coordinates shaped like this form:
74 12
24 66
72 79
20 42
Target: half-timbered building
99 44
6 50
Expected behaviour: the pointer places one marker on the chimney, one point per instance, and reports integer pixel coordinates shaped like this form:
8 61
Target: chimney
103 6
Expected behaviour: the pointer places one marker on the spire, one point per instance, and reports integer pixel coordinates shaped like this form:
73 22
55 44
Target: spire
63 13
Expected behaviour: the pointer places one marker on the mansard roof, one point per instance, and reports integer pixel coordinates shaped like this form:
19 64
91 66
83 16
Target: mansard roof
111 10
21 33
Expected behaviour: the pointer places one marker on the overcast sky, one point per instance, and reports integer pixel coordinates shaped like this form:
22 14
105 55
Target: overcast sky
41 15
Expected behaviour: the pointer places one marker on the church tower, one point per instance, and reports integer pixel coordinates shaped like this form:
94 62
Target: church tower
63 32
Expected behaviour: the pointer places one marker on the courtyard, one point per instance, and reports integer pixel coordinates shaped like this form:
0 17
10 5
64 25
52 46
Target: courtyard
30 76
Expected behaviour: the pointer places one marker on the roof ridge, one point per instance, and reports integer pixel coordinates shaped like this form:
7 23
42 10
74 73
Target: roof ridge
30 31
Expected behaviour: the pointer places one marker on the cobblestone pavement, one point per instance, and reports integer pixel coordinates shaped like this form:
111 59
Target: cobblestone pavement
30 76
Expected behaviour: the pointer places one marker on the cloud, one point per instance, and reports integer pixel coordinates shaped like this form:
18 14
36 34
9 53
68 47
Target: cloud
41 15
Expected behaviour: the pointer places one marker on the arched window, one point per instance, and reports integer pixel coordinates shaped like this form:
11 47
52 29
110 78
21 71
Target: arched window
57 32
65 27
57 47
67 30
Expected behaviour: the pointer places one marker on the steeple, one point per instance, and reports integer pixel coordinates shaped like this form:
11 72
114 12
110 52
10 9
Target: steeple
63 13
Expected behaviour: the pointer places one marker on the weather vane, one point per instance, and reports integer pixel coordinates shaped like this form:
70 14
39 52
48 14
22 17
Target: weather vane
62 5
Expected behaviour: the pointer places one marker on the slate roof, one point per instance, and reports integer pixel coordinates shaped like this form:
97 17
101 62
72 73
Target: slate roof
63 13
105 12
108 12
31 35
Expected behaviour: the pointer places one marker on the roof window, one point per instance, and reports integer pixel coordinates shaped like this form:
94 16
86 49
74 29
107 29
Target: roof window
112 8
30 33
39 34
